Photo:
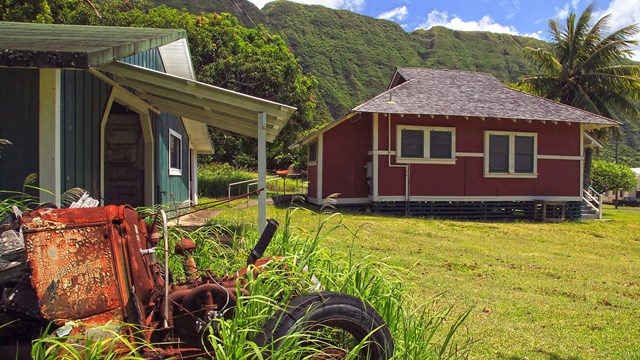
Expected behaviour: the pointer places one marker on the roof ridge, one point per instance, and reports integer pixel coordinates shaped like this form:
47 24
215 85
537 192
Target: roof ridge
448 70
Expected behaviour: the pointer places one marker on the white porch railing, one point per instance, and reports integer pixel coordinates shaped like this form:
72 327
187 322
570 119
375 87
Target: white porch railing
593 199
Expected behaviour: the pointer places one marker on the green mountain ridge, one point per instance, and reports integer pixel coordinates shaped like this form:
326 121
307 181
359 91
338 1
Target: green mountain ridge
353 56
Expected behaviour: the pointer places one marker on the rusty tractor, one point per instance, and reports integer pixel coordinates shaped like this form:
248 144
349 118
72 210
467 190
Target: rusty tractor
99 265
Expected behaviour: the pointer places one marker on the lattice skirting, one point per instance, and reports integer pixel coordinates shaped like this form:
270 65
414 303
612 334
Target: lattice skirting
476 210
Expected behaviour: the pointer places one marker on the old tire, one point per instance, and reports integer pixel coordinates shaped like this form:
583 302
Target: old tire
334 311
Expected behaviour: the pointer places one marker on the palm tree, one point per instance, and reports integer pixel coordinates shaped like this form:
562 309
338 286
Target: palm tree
588 69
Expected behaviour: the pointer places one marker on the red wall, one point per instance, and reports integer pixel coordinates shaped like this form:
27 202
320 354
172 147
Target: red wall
312 175
344 154
466 177
346 146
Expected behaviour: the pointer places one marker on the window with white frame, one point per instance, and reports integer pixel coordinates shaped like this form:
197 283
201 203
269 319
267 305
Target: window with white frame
510 154
424 144
313 152
175 153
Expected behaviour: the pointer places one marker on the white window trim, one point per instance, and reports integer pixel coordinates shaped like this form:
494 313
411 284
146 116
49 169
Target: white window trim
512 155
309 161
174 171
426 143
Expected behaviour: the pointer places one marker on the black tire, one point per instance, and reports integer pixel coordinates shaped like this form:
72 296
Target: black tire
336 311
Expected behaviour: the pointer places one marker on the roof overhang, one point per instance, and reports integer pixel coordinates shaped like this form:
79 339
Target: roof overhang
195 101
591 142
76 46
176 59
313 136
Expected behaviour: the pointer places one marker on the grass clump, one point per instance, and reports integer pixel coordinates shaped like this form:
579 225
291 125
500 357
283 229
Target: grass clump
419 331
304 264
214 179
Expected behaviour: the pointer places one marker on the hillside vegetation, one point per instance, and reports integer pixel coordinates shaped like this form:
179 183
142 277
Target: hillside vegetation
219 6
353 56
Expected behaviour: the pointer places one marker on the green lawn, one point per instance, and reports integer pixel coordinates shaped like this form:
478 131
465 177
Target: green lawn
538 291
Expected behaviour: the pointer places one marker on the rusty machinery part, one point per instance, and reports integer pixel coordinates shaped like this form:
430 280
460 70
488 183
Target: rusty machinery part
339 321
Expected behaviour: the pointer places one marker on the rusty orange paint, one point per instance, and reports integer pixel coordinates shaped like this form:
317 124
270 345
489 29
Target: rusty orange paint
82 262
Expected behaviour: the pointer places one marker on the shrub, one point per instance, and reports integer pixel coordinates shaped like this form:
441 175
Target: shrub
214 179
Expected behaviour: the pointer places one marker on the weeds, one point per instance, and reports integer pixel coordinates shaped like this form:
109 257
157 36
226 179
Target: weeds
303 264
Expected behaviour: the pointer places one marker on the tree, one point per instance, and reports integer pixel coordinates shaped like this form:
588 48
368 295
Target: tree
607 176
588 69
224 53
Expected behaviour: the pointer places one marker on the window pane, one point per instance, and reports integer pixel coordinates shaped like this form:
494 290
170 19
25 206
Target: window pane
412 144
440 144
524 154
175 149
498 153
313 151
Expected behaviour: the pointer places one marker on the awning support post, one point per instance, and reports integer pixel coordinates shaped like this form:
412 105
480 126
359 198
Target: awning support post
262 171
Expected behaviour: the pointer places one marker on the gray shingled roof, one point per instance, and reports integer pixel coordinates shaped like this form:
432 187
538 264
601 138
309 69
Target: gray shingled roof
76 46
462 93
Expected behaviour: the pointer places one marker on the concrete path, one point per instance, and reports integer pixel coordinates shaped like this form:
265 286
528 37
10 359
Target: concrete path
199 218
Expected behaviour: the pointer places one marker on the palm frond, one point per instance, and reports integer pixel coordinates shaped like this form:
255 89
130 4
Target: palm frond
580 98
541 85
545 61
624 108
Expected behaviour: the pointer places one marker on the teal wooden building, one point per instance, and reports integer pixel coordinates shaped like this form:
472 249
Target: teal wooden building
116 111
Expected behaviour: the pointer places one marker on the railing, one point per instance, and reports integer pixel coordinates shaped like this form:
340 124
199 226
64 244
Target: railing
593 199
298 178
250 183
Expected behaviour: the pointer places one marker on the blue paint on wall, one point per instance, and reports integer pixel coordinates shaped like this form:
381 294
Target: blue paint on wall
19 114
84 98
171 189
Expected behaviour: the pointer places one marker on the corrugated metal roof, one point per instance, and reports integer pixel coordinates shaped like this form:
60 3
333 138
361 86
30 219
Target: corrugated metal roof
76 46
225 109
177 61
472 94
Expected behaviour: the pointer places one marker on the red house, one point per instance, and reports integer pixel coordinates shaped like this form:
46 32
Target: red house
443 143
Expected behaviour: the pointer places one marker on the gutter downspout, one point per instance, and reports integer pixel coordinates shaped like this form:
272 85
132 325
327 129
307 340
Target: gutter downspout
406 167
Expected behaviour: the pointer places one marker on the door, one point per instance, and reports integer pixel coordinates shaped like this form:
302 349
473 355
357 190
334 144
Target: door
124 160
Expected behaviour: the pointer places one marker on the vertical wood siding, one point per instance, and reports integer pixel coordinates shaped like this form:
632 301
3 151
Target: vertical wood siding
83 101
19 114
170 189
149 59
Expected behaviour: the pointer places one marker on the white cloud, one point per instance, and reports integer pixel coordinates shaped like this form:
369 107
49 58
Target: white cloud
535 35
623 13
512 7
562 13
486 23
397 14
575 3
353 5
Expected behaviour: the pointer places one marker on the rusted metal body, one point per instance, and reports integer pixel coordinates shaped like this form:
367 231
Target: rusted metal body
98 265
86 263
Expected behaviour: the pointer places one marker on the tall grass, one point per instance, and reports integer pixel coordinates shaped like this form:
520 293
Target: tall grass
303 264
214 179
22 200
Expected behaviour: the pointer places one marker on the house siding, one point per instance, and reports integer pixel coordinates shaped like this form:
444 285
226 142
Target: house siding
466 176
345 149
149 59
170 189
19 116
83 101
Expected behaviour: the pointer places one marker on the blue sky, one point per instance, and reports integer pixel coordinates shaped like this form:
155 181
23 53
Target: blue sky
519 17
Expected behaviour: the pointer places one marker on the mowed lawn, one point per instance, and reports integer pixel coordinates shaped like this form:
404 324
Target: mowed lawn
537 291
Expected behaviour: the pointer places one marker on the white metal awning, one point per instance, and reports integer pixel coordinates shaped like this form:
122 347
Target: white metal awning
221 108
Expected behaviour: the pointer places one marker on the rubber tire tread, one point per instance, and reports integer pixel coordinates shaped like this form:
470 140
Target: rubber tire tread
331 306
